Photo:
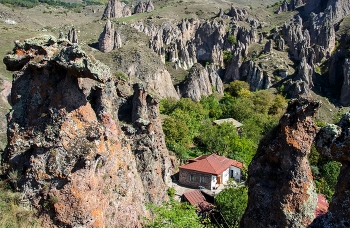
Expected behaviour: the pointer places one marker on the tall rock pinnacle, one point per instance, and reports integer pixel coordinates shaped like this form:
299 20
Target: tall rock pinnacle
281 190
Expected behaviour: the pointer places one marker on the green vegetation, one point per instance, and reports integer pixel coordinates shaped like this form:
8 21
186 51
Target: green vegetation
325 173
190 132
232 39
12 214
227 55
232 203
33 3
173 214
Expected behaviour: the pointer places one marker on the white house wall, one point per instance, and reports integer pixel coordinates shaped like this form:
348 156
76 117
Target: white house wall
225 176
236 173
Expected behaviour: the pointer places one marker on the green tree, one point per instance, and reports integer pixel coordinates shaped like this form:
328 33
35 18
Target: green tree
263 100
278 105
227 56
217 138
167 106
224 140
176 131
173 214
232 39
212 104
330 172
232 203
236 86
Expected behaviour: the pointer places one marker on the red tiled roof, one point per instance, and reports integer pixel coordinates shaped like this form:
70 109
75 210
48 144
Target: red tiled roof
196 198
213 164
322 205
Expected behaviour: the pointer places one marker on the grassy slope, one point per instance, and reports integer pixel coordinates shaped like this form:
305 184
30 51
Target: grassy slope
51 20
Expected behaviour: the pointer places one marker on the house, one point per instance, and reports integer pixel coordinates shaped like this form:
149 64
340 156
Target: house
209 171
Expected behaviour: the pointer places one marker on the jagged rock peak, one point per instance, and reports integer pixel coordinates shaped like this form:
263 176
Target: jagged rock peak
338 8
199 83
298 88
256 77
268 46
72 36
116 9
237 14
332 141
143 7
140 7
106 40
65 138
281 190
305 73
292 5
149 6
109 39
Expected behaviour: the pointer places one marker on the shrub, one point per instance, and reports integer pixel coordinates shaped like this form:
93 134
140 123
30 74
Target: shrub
236 86
232 39
232 203
227 56
173 214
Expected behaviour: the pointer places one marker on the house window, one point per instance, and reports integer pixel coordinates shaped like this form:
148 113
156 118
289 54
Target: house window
192 177
202 179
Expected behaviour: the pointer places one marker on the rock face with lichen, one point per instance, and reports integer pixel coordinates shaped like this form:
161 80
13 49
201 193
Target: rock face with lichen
200 82
281 190
333 142
74 162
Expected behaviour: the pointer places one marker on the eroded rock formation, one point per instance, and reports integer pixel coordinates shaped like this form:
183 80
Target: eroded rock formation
116 9
292 5
200 83
281 190
72 36
109 39
143 7
74 163
333 142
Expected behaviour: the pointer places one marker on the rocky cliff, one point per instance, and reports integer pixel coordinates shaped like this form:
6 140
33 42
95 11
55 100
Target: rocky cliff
141 64
73 162
201 82
226 40
281 190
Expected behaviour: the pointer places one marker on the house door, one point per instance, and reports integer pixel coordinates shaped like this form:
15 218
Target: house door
219 179
231 173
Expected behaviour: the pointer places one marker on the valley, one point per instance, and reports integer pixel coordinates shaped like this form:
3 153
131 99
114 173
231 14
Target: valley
110 98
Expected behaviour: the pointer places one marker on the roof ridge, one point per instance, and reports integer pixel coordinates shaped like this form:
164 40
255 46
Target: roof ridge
210 162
